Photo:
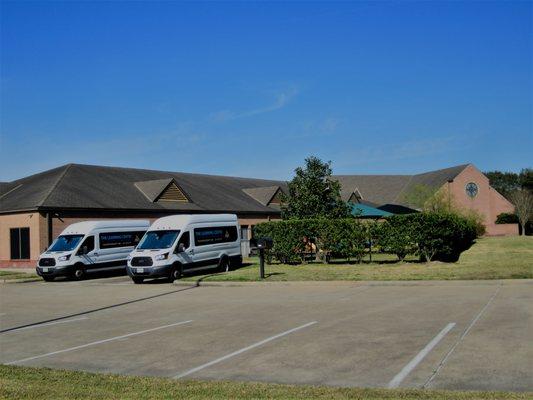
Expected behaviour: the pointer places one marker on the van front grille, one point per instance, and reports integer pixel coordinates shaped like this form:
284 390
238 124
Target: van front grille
141 261
47 262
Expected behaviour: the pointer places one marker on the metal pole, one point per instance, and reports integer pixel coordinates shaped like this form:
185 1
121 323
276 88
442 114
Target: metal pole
262 263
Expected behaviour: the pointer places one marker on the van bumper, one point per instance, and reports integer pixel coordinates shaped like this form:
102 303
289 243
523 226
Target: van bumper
55 271
149 272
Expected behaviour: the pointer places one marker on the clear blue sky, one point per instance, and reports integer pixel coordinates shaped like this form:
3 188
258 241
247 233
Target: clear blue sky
251 89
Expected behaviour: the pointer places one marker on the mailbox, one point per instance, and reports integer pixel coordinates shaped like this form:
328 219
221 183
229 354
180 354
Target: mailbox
264 243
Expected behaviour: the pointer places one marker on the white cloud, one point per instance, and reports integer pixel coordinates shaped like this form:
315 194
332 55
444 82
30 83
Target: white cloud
280 101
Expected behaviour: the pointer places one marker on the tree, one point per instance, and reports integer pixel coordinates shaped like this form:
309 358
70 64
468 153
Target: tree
429 198
313 193
526 179
507 182
523 202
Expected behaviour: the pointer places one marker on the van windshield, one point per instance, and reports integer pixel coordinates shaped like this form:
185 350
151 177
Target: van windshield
66 243
158 240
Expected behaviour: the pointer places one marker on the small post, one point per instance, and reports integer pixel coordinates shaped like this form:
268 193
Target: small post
262 263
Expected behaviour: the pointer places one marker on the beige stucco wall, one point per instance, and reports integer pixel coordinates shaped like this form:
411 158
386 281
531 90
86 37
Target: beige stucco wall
35 222
488 202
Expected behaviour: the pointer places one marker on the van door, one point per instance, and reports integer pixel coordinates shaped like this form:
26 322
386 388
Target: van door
114 247
185 251
87 252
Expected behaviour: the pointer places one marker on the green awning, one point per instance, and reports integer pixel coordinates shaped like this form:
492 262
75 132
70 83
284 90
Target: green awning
364 211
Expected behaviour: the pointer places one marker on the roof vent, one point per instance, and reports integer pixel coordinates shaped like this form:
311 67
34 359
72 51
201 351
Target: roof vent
162 190
173 193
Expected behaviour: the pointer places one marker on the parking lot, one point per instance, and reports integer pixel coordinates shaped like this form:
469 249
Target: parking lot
449 335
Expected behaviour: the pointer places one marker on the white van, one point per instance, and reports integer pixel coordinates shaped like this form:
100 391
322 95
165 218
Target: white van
180 243
91 246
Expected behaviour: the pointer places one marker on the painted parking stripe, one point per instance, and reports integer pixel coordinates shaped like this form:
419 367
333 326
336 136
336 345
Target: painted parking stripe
98 342
235 353
51 323
463 335
397 380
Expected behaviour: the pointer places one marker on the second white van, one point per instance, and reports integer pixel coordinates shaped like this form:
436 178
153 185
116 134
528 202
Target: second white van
182 243
91 246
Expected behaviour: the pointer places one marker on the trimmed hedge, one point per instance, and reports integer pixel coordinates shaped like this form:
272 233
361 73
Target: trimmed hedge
430 235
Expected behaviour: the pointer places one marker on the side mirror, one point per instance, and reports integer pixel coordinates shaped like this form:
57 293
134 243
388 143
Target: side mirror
181 248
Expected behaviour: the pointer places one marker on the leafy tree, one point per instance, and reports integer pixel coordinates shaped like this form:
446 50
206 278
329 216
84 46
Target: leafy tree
313 193
507 182
526 179
429 198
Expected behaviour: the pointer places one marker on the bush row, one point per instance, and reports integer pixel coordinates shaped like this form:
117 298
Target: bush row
429 235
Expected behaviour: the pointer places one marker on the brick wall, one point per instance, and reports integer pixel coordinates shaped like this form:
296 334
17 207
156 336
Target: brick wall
35 222
488 202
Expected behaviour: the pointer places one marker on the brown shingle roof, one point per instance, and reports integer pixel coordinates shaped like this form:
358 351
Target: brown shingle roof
96 187
390 189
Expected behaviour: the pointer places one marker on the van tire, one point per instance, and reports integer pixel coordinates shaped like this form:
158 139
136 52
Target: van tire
79 272
223 264
138 280
48 278
175 273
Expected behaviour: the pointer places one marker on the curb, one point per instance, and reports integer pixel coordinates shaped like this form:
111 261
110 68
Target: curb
473 282
23 280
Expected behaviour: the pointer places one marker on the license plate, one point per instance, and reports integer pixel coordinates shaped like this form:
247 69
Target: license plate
45 269
140 270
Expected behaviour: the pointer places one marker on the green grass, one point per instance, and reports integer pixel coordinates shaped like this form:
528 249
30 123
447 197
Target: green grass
488 258
10 275
45 383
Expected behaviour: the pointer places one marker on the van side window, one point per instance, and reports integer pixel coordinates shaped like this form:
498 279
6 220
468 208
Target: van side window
214 235
185 239
87 246
109 240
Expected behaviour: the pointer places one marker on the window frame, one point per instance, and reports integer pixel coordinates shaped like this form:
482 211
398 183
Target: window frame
230 228
20 242
132 242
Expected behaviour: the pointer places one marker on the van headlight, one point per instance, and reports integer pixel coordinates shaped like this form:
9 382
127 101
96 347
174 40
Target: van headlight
64 258
160 257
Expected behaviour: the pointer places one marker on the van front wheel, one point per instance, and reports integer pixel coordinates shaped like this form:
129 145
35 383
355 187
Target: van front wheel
175 273
138 281
79 273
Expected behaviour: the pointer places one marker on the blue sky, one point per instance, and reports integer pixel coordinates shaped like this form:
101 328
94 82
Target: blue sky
251 89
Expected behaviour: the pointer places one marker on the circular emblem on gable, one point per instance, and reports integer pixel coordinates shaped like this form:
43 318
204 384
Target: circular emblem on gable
471 189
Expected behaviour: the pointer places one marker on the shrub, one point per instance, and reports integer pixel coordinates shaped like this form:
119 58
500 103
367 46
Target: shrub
395 236
430 235
442 236
343 238
288 238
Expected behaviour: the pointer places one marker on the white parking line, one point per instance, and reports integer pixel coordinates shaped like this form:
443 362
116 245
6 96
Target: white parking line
50 323
465 332
395 382
253 346
97 342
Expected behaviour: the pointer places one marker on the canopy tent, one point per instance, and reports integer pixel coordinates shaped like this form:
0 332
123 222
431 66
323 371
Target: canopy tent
360 210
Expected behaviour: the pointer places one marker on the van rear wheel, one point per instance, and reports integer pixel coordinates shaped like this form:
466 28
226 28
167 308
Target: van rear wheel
223 265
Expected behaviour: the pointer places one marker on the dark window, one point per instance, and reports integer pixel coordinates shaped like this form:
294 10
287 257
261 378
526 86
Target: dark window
66 243
87 246
213 235
158 240
185 239
109 240
20 243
